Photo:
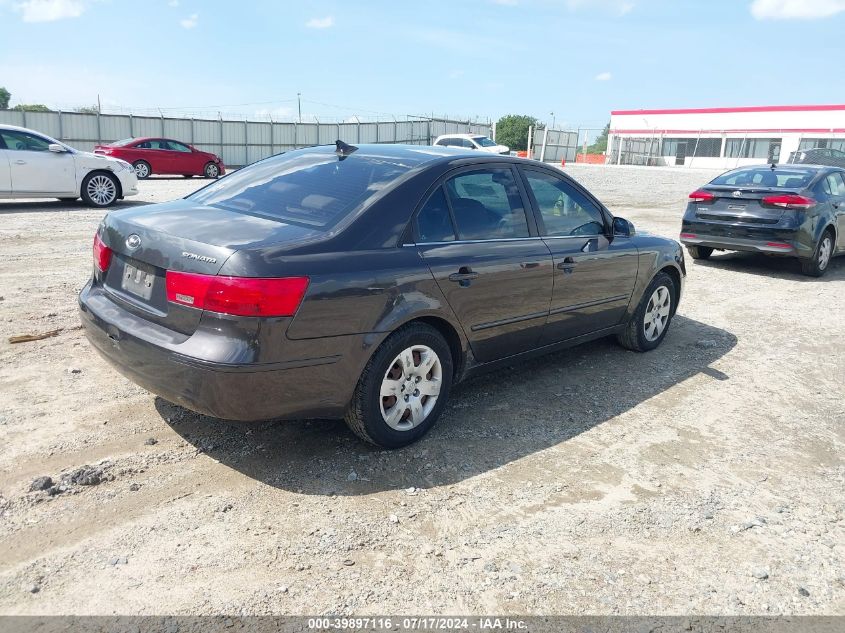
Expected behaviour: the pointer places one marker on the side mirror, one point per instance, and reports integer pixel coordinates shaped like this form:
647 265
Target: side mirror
623 227
55 147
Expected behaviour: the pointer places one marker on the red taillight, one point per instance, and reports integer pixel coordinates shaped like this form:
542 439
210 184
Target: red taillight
102 254
779 245
688 236
701 196
790 201
241 296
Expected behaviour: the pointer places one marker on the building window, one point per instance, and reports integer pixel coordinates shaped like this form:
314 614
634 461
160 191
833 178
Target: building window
753 148
701 147
827 143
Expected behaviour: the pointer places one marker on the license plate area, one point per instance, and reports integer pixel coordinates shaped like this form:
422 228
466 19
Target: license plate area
138 279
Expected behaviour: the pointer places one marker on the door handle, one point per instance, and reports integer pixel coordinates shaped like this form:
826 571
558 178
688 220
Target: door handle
464 275
20 162
529 265
567 265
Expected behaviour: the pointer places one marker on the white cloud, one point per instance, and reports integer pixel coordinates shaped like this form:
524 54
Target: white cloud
190 22
617 7
49 10
795 9
605 76
320 23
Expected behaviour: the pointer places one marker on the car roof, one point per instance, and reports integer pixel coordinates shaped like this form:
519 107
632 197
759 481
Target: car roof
462 135
414 155
791 166
7 126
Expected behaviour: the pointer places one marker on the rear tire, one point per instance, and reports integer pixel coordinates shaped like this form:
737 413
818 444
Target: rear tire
211 171
818 264
100 189
647 327
415 364
700 252
142 169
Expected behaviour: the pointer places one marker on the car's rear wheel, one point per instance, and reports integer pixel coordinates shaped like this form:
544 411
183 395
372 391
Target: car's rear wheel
647 327
212 170
142 169
100 189
700 252
403 388
818 264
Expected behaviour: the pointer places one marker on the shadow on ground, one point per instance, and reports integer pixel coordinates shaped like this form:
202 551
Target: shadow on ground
52 206
490 421
770 266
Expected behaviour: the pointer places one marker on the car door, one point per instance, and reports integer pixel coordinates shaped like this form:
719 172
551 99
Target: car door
155 152
181 158
5 174
474 234
594 272
33 168
834 188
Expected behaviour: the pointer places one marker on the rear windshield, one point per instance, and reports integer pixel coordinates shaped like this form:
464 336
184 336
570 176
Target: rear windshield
778 178
313 189
484 141
125 141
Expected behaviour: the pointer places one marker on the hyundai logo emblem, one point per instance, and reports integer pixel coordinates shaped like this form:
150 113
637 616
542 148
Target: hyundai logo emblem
133 242
737 194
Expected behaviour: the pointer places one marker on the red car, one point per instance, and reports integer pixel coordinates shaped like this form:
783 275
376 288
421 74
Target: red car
164 156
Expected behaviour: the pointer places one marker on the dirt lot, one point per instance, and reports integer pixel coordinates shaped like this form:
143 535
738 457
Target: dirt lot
705 477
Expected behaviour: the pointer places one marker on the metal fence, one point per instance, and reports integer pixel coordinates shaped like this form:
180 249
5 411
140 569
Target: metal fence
236 142
555 145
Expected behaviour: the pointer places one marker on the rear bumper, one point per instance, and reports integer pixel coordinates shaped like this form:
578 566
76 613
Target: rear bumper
299 388
735 244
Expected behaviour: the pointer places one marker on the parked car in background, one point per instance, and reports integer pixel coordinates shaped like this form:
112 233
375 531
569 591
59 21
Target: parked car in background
33 165
792 210
819 156
364 282
164 156
471 141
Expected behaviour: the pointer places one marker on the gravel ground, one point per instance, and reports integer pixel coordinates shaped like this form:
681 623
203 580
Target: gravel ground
705 477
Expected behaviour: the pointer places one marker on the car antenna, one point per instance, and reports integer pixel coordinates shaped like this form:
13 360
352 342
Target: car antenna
343 149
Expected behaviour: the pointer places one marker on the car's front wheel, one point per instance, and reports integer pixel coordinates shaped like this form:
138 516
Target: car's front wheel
817 265
212 170
142 169
647 327
700 252
99 189
403 388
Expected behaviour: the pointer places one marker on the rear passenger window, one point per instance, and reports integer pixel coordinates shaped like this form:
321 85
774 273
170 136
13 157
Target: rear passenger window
565 210
835 184
487 205
434 224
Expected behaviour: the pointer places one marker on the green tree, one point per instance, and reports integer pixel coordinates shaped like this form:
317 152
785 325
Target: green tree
599 146
91 109
5 95
31 107
512 130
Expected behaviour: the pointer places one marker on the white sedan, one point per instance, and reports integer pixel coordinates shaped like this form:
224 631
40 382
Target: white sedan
471 141
33 165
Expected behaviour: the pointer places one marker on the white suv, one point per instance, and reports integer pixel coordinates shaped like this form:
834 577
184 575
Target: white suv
33 165
471 141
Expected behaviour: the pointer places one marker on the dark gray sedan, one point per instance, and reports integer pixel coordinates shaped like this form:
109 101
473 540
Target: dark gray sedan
364 282
788 210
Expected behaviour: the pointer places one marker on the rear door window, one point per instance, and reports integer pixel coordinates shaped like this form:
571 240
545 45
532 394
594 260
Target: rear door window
486 204
834 184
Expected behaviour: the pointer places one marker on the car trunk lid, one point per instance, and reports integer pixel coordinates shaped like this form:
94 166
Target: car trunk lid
181 236
742 205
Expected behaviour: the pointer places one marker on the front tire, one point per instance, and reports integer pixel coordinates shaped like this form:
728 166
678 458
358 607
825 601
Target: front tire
100 189
403 388
647 327
818 264
142 169
700 252
212 171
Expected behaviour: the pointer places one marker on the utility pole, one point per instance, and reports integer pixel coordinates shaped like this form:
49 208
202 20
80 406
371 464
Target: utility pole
553 119
299 105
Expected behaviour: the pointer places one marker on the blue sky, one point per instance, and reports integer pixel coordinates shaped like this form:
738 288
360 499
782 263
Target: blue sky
468 58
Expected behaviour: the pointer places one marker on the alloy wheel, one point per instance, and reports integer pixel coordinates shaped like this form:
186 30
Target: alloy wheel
142 170
825 249
102 190
657 313
410 387
212 171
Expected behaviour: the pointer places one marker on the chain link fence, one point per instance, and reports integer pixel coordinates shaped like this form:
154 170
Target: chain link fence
237 142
